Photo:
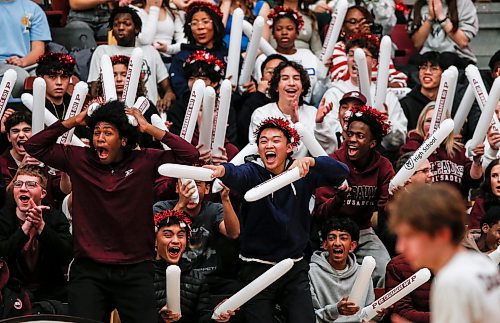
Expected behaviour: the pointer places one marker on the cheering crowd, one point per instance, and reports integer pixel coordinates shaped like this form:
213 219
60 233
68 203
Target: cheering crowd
92 227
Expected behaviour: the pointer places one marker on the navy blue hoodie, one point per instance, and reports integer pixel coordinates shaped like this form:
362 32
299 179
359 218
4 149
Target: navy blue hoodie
277 226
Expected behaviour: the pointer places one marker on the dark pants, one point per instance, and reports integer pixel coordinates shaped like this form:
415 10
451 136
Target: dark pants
96 289
291 292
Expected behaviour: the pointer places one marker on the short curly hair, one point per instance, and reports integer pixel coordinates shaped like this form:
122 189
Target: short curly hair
363 41
341 224
304 79
124 10
113 112
16 118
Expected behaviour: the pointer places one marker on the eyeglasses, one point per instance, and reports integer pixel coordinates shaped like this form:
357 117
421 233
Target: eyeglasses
201 23
431 68
351 54
29 184
425 171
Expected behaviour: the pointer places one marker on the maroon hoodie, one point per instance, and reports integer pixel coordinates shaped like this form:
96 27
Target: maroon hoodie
112 204
455 171
369 190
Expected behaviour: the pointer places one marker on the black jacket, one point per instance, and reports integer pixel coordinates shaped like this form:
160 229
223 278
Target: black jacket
195 301
413 104
47 281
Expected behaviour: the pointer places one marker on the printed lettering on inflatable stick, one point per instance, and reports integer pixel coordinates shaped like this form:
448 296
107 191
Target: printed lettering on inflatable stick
333 32
444 98
132 79
421 154
75 107
395 294
194 105
8 81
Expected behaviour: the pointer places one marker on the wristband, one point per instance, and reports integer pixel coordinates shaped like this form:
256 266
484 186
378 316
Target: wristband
443 22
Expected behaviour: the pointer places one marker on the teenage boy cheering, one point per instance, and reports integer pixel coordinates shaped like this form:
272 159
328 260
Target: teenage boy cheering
112 200
277 226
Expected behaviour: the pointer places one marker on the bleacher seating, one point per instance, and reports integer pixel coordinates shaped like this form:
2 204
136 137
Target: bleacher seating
487 42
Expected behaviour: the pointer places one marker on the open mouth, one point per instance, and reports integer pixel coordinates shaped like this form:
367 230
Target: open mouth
103 153
352 151
21 143
338 251
174 252
270 156
24 198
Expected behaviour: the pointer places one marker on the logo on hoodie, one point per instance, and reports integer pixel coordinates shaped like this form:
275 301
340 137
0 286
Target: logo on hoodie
364 195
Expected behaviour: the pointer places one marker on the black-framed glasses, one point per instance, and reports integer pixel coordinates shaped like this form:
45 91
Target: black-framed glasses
29 184
201 23
426 170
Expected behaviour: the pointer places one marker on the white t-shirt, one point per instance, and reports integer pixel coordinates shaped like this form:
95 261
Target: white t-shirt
313 66
153 69
307 117
466 290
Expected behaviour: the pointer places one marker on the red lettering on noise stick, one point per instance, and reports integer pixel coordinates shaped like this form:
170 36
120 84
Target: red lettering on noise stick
189 112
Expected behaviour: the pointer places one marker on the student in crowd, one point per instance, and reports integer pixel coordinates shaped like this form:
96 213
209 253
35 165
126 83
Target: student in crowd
489 195
35 239
18 129
204 31
369 44
368 183
333 273
446 27
448 163
162 27
287 89
210 222
487 238
277 226
173 232
126 25
25 30
429 221
332 135
113 180
286 24
358 20
259 98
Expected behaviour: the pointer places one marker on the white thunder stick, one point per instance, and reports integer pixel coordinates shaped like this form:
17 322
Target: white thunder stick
192 110
363 74
173 288
48 118
358 291
75 107
255 287
485 119
444 98
185 171
333 32
495 256
6 87
132 78
108 79
383 72
422 153
39 92
142 104
158 122
395 294
222 116
253 47
249 149
309 140
476 81
207 121
272 185
264 45
233 58
463 109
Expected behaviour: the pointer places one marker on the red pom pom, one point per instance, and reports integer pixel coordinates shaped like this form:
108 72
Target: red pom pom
203 4
283 125
203 56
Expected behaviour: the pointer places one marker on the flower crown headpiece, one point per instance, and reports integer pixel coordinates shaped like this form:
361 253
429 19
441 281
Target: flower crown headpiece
281 11
378 116
202 56
165 216
120 59
59 57
281 124
371 37
203 4
53 63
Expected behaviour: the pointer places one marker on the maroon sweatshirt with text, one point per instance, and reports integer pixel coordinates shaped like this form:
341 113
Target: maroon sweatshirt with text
369 190
452 170
112 204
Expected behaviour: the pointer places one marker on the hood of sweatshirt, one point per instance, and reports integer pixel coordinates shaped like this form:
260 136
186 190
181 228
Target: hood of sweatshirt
320 258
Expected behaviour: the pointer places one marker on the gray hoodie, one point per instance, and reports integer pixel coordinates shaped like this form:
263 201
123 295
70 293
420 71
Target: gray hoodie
328 287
